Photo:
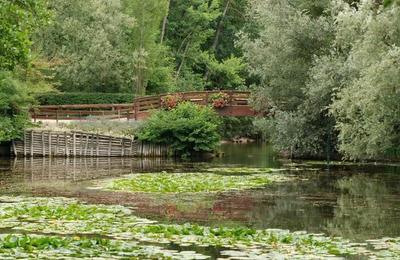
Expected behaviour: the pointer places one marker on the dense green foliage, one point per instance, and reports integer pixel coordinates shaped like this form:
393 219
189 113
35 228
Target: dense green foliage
14 100
367 108
70 98
143 46
232 127
18 20
188 129
86 47
332 74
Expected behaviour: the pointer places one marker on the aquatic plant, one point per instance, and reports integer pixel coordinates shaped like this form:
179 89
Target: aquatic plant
114 232
55 247
187 182
240 170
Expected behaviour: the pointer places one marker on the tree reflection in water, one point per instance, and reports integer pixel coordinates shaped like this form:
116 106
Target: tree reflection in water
366 208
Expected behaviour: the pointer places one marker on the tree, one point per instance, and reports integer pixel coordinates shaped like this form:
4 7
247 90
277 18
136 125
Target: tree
282 54
18 20
153 65
205 58
367 108
86 45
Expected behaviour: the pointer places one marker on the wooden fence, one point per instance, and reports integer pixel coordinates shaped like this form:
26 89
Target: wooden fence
238 105
79 144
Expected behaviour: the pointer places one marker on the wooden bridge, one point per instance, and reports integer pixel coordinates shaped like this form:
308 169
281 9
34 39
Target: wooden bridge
237 104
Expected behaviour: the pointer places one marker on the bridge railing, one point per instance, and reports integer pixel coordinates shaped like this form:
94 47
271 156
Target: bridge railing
83 112
140 107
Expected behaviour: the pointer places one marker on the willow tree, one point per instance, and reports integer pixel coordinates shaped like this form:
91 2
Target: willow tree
281 53
85 45
367 108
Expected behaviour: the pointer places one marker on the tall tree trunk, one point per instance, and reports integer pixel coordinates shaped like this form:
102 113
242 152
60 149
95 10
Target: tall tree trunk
220 26
165 21
140 80
217 35
183 60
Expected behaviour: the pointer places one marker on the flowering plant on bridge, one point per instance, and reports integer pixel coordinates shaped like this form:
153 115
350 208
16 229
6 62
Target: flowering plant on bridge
219 100
169 102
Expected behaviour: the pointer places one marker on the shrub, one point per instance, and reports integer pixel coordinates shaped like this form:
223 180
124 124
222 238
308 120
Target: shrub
188 129
171 101
219 100
84 98
14 101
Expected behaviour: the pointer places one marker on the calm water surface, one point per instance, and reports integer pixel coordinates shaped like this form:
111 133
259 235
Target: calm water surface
353 201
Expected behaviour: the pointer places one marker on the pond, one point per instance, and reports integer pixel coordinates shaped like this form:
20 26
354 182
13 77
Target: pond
351 202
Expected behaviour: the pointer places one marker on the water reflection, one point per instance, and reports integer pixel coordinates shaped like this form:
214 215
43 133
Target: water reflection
357 202
366 207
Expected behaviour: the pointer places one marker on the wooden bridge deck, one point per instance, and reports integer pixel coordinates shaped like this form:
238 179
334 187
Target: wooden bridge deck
141 108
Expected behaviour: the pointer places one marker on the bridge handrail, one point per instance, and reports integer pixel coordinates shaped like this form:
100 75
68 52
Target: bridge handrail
139 105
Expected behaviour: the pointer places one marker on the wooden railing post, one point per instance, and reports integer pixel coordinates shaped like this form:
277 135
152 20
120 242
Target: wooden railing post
34 115
136 109
230 93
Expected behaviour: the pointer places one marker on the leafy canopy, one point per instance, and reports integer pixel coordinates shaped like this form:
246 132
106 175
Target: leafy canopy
188 129
14 100
18 19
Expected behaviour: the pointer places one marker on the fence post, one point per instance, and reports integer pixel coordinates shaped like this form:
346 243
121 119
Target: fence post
43 146
74 144
49 143
97 145
31 143
136 104
109 146
66 136
25 144
34 115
